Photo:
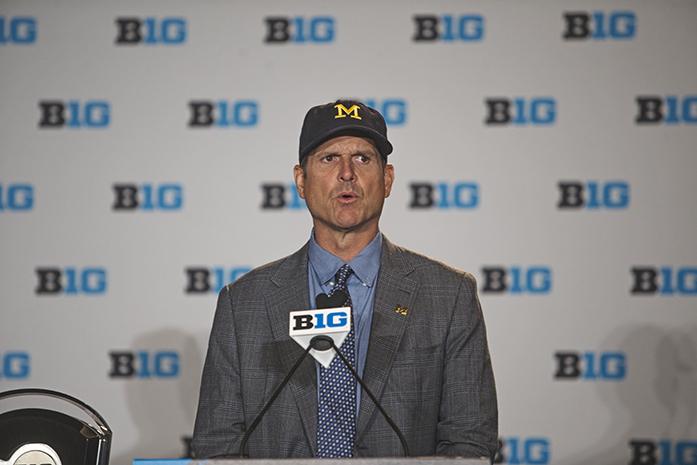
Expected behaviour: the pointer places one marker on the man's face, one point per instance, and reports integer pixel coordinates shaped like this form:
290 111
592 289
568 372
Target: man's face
345 184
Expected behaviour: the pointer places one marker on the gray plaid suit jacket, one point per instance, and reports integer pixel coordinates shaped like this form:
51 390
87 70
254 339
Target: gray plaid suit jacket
430 368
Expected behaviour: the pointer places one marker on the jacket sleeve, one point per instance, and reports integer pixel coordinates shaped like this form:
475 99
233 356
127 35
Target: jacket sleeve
220 417
468 422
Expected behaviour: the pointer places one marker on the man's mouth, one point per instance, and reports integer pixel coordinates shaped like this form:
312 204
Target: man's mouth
347 197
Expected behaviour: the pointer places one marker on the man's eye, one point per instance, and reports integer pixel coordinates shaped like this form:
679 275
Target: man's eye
328 157
363 158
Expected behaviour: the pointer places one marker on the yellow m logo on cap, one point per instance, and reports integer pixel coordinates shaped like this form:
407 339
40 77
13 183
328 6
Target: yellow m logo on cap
343 112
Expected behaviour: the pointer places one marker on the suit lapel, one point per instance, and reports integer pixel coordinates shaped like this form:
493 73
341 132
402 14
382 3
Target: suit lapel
393 289
291 293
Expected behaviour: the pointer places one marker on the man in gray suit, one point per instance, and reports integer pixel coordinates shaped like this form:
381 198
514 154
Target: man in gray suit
418 337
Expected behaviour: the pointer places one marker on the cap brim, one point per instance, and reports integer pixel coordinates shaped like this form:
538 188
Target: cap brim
382 144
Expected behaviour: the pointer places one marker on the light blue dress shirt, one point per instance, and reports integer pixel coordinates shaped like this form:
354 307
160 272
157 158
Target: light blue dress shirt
321 269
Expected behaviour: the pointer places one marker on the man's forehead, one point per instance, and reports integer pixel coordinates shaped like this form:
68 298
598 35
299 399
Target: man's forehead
361 144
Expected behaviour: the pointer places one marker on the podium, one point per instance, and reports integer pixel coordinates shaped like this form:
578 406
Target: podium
308 461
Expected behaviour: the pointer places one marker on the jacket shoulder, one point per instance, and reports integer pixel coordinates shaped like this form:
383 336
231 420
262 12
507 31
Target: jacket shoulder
429 269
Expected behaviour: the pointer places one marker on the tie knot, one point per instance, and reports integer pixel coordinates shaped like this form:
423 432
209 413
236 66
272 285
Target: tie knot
342 275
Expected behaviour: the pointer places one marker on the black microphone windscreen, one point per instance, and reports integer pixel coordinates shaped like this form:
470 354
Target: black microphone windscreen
338 299
322 301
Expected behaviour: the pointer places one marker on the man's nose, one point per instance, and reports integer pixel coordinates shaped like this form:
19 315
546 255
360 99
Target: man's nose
346 170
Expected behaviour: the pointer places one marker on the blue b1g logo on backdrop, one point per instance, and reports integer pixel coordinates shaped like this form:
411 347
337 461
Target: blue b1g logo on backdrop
71 281
20 30
519 451
520 111
463 195
74 114
593 195
201 280
144 364
223 113
591 366
599 25
150 31
517 280
148 197
670 110
300 29
664 281
16 197
277 196
448 28
662 452
15 365
394 110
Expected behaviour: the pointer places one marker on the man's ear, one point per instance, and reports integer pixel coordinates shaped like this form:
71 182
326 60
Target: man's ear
389 179
299 175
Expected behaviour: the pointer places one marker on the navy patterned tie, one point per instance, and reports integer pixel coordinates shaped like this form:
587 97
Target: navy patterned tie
336 418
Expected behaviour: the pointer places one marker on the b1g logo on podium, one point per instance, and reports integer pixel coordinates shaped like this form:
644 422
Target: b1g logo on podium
593 195
664 281
523 451
462 195
15 365
19 30
144 364
201 280
536 280
394 110
16 197
448 28
599 25
321 319
150 31
591 366
520 111
669 110
71 281
662 452
299 29
223 113
74 114
148 197
278 196
332 322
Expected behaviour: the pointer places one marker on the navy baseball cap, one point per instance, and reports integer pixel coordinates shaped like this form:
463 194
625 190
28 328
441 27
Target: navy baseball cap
343 118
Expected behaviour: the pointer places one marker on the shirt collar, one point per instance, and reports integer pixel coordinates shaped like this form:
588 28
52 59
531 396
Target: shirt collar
365 265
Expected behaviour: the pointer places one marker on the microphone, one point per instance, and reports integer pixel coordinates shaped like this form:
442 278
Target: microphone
322 342
322 301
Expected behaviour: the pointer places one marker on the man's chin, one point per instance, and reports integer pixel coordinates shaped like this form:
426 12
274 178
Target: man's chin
349 225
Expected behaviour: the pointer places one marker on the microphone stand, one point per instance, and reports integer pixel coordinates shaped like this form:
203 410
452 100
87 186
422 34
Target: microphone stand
320 343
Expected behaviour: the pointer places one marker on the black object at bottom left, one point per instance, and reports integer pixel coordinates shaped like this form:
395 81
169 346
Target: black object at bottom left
41 436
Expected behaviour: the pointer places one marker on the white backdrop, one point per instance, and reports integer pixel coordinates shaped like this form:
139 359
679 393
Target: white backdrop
579 125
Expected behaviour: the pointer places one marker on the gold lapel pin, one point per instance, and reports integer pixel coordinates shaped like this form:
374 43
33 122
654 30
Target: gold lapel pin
401 310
